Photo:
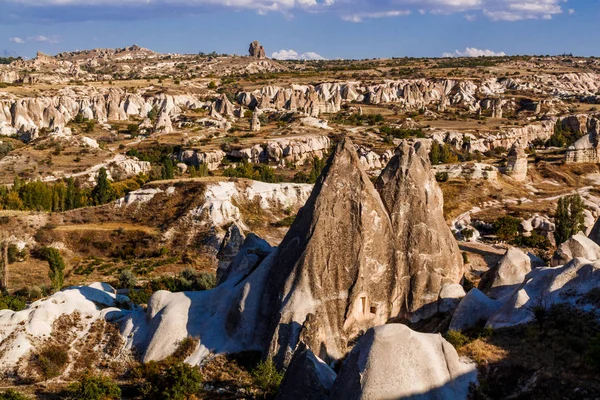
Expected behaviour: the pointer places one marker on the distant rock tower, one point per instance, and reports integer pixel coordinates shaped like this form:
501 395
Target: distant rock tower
255 123
256 50
516 165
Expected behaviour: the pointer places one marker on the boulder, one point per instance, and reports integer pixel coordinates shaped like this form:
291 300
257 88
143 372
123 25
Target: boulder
475 308
578 245
505 277
394 362
595 232
450 296
306 378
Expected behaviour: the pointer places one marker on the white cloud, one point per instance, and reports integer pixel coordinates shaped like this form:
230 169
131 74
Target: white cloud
293 55
571 11
473 52
17 40
360 17
470 17
43 39
349 10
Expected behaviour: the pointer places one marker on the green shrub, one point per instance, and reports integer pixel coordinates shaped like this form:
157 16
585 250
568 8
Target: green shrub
457 338
127 279
507 227
92 387
12 394
267 377
442 177
51 361
177 382
11 302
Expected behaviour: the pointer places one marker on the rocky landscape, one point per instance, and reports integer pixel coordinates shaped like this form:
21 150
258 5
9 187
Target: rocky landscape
214 226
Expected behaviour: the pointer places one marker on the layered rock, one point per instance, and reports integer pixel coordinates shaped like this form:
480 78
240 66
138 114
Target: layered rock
297 150
394 362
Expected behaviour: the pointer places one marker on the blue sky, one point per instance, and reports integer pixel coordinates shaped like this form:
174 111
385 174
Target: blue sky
330 28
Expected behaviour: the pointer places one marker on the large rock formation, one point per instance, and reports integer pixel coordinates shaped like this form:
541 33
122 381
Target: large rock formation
256 50
388 257
394 362
349 262
425 249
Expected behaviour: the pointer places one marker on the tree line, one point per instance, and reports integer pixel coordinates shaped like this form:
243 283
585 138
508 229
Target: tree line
65 195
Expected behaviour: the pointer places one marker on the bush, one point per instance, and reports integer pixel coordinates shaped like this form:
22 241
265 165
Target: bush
12 394
8 302
457 338
51 361
442 177
212 85
92 387
178 382
267 377
185 348
507 227
127 279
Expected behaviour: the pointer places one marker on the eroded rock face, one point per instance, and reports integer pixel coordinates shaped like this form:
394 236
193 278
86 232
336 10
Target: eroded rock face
474 309
394 362
383 256
425 249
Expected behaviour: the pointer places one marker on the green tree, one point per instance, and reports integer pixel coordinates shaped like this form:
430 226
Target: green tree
57 267
70 194
267 377
168 169
102 192
434 153
569 218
